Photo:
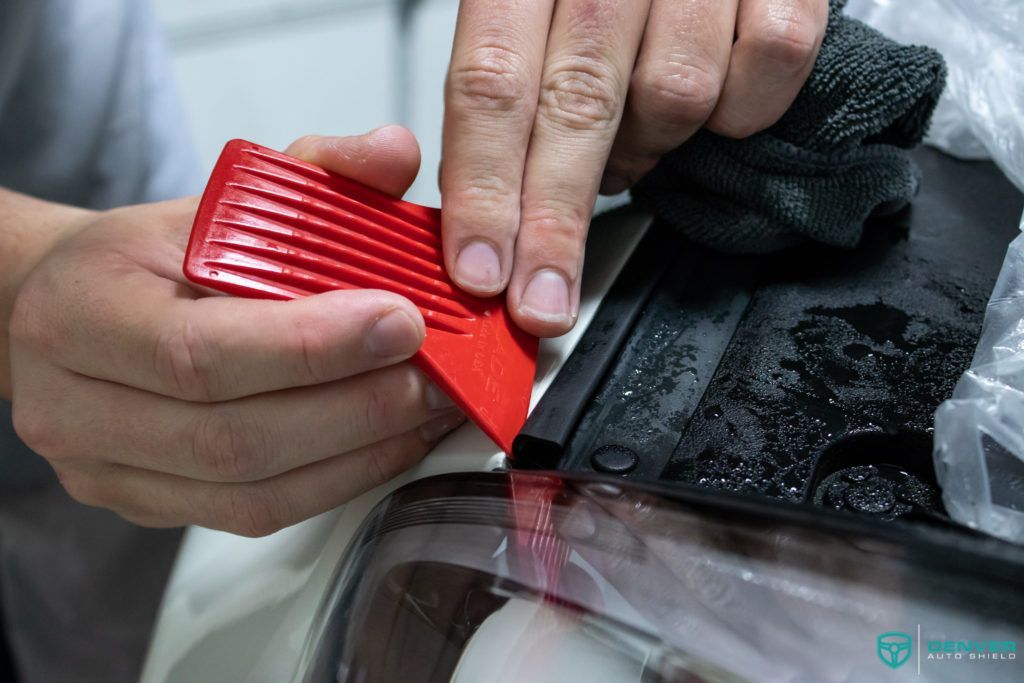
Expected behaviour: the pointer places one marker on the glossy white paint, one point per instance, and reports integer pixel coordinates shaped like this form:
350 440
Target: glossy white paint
503 649
240 609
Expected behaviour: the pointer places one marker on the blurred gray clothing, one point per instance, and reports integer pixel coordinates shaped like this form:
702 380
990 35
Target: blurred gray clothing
89 117
81 587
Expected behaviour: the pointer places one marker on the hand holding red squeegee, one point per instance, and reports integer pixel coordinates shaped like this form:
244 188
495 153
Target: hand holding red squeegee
271 226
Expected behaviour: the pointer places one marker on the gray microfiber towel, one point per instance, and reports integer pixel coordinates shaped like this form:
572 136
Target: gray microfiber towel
839 155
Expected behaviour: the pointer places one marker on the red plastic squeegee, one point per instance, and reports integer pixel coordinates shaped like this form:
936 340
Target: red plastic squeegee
270 226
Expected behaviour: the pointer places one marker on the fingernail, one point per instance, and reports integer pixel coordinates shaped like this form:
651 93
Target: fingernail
612 183
546 298
580 523
478 267
435 398
394 334
439 426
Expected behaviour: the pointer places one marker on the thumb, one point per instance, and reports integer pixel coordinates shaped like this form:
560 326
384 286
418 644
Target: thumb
387 158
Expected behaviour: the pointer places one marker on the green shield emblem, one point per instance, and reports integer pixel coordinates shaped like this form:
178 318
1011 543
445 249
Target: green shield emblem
894 648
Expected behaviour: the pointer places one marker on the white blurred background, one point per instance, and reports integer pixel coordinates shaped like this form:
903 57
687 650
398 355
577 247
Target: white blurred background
272 70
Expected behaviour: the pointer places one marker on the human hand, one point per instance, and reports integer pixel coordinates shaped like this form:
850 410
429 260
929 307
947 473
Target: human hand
548 101
173 407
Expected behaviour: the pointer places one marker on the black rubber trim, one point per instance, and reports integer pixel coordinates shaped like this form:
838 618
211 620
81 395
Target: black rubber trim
545 435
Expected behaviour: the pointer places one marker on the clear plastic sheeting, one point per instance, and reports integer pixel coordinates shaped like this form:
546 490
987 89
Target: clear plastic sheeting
981 113
979 434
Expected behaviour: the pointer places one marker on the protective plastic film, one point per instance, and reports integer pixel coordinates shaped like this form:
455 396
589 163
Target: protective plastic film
981 113
979 434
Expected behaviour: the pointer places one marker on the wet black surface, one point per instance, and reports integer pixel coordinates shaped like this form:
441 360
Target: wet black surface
614 459
763 375
887 491
816 359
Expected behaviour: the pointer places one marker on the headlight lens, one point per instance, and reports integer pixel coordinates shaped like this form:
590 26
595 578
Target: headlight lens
488 578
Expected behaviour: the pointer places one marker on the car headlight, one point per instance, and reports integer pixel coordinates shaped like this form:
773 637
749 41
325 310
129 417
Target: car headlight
503 577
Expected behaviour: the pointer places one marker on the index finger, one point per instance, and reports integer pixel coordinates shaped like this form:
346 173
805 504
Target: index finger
590 55
490 100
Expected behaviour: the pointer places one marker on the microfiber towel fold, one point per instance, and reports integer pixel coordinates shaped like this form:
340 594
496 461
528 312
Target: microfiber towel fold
839 155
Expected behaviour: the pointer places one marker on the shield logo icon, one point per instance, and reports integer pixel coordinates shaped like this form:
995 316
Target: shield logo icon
894 648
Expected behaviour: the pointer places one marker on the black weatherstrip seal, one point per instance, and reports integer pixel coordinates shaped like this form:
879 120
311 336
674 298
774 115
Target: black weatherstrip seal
547 432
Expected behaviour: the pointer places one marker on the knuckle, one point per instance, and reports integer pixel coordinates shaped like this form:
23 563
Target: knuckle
381 465
387 401
483 203
484 189
390 458
789 43
28 425
735 125
556 226
580 95
683 97
314 347
230 445
491 78
303 144
378 469
38 431
379 410
184 363
251 511
145 519
483 197
79 486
